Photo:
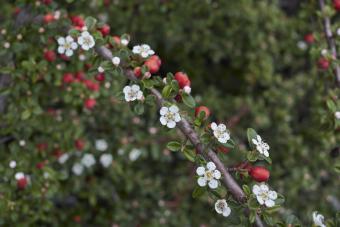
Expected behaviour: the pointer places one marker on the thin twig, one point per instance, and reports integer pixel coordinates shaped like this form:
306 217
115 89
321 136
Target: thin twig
330 41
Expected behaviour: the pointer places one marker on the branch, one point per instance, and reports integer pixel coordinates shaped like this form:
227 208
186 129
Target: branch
330 41
190 133
187 130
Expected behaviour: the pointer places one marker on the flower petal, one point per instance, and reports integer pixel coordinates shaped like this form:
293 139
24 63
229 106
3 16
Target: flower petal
171 124
269 203
217 174
211 166
202 181
163 120
272 195
164 110
226 211
213 126
173 109
256 189
213 184
200 171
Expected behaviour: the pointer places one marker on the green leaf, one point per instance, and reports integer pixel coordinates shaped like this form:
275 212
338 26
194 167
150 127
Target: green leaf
26 114
252 203
138 108
188 100
90 22
252 156
166 91
331 105
148 83
246 189
174 146
198 192
252 216
251 134
189 154
273 209
174 85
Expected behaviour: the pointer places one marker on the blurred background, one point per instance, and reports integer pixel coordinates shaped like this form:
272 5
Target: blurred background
249 62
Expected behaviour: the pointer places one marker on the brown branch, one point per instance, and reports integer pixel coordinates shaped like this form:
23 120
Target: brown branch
330 41
190 133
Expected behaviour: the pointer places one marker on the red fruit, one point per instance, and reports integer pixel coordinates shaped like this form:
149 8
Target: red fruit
48 18
323 63
77 218
182 79
116 39
152 66
90 103
49 55
155 58
107 2
336 4
105 30
80 76
68 78
64 57
78 21
309 38
57 153
46 2
100 77
40 165
137 71
17 10
222 149
22 183
204 109
91 85
79 144
259 173
42 146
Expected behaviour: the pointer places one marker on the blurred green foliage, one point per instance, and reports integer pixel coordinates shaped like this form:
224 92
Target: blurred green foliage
244 62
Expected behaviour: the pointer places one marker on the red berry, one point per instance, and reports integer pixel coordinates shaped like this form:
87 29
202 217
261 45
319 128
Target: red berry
153 63
182 79
323 63
116 39
68 78
57 153
309 38
90 103
79 144
46 2
223 149
77 218
42 146
17 10
91 85
40 165
48 18
336 4
204 109
22 183
105 30
106 2
80 76
100 77
78 21
259 173
137 71
49 55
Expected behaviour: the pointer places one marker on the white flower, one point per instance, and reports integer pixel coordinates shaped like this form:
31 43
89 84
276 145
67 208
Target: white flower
221 207
19 175
133 93
143 50
106 160
338 31
12 164
101 69
82 57
88 160
318 219
101 145
220 132
124 42
66 45
86 40
337 115
22 143
78 169
134 154
261 146
324 52
116 61
302 45
169 116
264 195
208 174
63 158
7 45
187 89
